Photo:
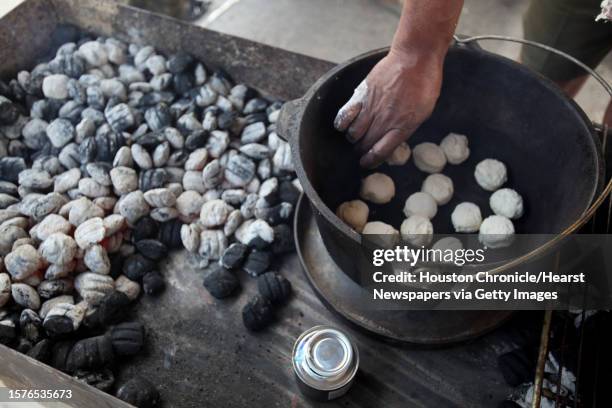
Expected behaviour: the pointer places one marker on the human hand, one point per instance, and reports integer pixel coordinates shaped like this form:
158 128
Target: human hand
397 96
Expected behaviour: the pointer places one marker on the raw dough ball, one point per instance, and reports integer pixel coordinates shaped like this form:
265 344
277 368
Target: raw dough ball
417 230
466 217
354 213
440 187
385 234
400 155
377 188
491 174
455 147
421 204
429 157
507 202
496 232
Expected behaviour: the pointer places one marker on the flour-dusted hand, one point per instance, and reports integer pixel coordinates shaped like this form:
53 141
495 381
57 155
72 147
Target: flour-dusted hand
396 97
401 91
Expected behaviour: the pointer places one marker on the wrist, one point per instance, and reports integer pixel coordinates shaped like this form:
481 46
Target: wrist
411 58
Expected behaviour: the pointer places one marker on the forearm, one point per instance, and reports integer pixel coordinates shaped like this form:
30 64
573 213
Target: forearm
426 28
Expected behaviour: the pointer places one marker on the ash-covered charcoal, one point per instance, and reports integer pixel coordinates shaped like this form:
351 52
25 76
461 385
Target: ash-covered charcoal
11 167
30 325
51 288
133 206
153 283
234 219
269 191
257 262
253 133
234 255
92 287
93 352
127 338
213 244
212 174
136 266
5 288
138 392
275 215
128 287
217 143
274 287
158 117
288 193
154 178
255 233
240 170
257 314
221 283
64 318
102 379
214 213
60 132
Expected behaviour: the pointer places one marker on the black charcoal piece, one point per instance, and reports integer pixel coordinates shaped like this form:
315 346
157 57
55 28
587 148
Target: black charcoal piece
8 332
87 150
196 140
256 117
257 313
288 193
120 117
23 345
234 255
17 148
30 325
111 309
58 325
255 105
179 62
170 234
183 82
107 145
257 262
274 287
72 65
10 167
153 178
152 249
150 140
59 354
145 228
153 283
127 338
275 215
136 266
138 392
178 158
116 262
283 240
101 379
92 352
221 283
226 119
41 351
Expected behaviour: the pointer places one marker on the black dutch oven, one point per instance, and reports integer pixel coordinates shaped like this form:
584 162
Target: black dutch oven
507 111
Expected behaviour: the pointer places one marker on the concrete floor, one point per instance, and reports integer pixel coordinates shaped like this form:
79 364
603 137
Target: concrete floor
339 29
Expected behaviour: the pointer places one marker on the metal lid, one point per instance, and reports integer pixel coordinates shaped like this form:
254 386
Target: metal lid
325 358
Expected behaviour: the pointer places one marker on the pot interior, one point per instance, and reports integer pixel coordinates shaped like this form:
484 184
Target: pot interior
507 112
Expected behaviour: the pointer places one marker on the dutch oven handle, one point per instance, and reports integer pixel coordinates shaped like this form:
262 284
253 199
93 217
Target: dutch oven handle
289 120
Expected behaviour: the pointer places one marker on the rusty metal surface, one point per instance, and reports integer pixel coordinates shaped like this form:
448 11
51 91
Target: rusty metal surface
198 352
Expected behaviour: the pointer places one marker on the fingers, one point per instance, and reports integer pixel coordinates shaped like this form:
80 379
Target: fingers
347 114
360 127
383 148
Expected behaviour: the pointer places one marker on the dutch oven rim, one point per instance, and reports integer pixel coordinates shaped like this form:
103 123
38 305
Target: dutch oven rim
290 124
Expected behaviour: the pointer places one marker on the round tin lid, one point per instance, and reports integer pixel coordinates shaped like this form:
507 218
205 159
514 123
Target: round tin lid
325 358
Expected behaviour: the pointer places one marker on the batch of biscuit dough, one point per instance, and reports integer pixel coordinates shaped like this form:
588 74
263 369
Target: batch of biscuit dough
495 231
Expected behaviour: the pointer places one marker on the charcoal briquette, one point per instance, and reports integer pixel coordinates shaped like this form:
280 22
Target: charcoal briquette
10 167
283 240
92 352
136 266
257 313
196 140
170 234
41 351
120 117
9 112
127 338
111 309
221 283
257 262
179 62
59 354
152 249
234 255
153 283
288 193
274 287
145 228
57 325
101 379
240 170
8 332
138 392
152 178
158 117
